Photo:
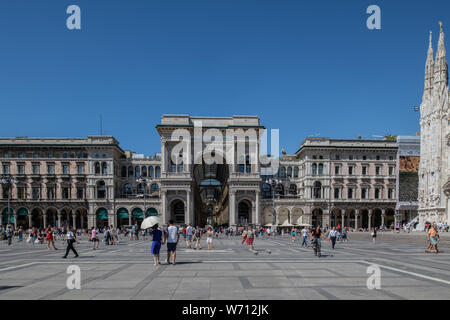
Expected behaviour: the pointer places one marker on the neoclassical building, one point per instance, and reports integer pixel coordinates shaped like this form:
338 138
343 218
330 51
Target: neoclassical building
209 171
434 174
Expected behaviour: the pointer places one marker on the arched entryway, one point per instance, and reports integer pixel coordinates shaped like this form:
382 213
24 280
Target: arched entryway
52 216
177 212
37 218
81 220
335 217
151 212
364 216
389 219
317 215
283 216
123 217
22 218
8 217
376 218
66 217
296 216
137 215
102 217
244 213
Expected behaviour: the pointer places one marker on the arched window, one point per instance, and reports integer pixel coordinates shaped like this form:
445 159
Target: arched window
151 173
141 188
283 172
266 191
144 171
317 190
241 165
293 189
123 172
97 168
158 172
128 189
243 213
289 172
130 171
101 190
314 169
279 190
154 187
296 172
104 168
137 171
320 169
248 166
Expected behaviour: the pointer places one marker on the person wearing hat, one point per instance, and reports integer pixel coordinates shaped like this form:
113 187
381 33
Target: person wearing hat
156 244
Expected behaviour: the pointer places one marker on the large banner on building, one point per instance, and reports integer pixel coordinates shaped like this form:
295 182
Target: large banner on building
408 178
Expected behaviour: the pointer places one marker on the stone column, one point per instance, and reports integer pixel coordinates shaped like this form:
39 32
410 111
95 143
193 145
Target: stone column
82 220
343 217
59 219
370 218
383 216
258 218
30 221
356 219
129 218
189 219
232 208
74 219
165 214
15 221
45 219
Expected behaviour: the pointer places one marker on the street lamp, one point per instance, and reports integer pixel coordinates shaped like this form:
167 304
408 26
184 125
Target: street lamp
273 183
145 182
8 181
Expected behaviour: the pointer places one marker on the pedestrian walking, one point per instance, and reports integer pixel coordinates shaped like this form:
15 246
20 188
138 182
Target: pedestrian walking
94 238
210 238
171 237
198 237
332 236
20 234
374 235
188 236
433 239
305 232
251 238
156 244
9 234
50 238
70 239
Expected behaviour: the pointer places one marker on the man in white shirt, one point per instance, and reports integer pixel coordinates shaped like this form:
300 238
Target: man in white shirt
305 232
172 236
70 238
189 236
333 235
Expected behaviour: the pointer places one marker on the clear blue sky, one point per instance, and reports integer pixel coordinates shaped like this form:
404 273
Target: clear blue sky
305 67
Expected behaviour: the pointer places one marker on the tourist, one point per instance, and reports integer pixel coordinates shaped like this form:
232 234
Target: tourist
210 238
251 238
198 237
94 238
70 239
374 235
244 237
50 239
305 232
316 236
171 237
433 239
344 235
293 234
188 236
156 244
20 234
9 234
332 236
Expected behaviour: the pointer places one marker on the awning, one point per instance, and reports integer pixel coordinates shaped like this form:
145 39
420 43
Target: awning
22 212
137 213
152 212
102 214
122 213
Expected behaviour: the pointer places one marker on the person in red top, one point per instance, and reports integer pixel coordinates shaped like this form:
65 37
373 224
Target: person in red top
50 239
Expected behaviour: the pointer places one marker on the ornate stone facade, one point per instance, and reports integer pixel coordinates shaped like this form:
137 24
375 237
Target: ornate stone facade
435 136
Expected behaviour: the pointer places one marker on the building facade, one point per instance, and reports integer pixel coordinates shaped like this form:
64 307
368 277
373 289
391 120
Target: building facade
92 181
434 183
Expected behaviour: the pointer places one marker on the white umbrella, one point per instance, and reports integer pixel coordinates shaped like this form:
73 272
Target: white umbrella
149 222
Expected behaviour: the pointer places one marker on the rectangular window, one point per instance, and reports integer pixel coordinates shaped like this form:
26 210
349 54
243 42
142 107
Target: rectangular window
35 155
20 156
6 155
390 193
5 192
336 170
364 170
50 155
336 193
337 157
350 193
80 169
51 169
80 193
378 158
36 193
35 169
21 192
350 157
65 155
364 193
350 170
377 193
377 170
51 193
65 193
391 171
65 168
21 169
6 169
364 157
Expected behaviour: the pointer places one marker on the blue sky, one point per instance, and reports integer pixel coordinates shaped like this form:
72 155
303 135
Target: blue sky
305 67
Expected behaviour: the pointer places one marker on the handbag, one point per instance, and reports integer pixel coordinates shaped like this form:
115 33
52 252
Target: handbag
28 239
36 241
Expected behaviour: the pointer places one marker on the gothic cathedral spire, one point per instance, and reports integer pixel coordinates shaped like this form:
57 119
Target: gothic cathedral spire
440 66
429 69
